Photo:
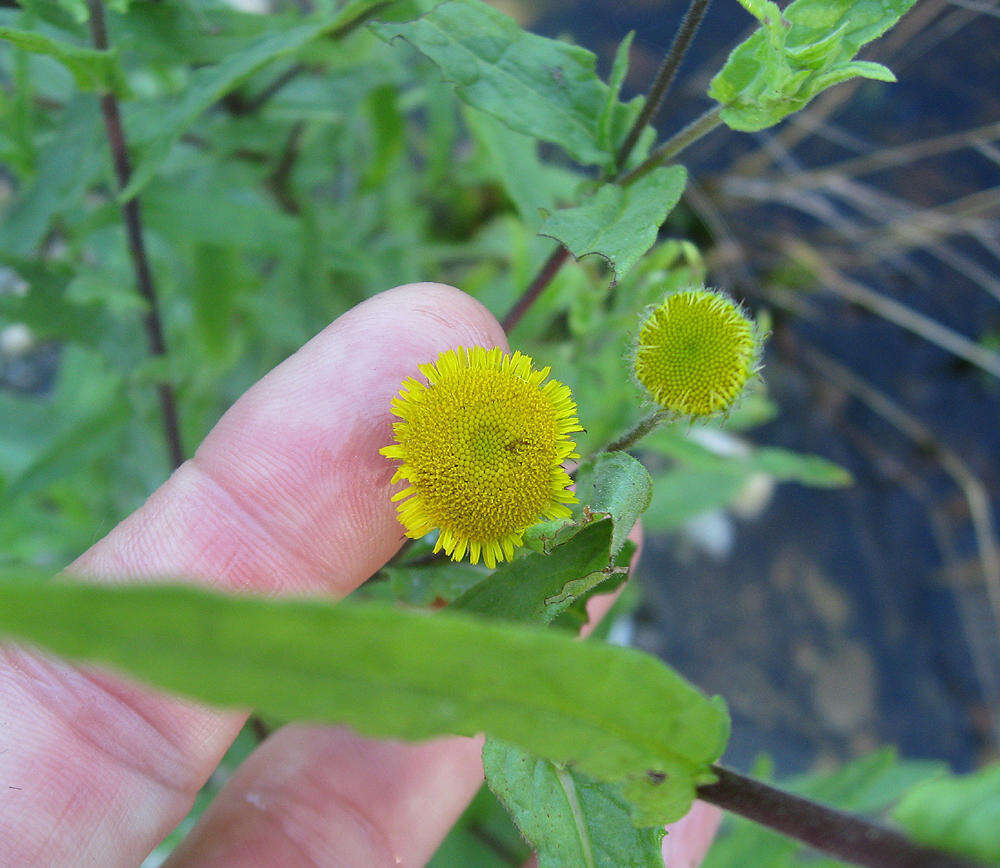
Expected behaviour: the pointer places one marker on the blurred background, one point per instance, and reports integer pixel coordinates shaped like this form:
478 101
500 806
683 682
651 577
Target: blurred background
863 231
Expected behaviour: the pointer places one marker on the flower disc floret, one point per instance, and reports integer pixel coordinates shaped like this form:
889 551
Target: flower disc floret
695 353
482 445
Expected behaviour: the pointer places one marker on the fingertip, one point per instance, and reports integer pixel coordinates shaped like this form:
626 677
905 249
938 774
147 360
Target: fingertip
300 450
446 307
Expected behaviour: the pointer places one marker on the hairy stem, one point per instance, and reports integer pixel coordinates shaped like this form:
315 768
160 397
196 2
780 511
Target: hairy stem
698 128
136 243
845 836
665 77
637 432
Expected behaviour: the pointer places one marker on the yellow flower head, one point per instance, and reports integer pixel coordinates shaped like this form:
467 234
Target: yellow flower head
482 447
695 352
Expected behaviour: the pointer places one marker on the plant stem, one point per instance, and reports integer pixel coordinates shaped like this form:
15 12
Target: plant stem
637 432
136 243
698 128
845 836
542 280
665 77
239 105
667 151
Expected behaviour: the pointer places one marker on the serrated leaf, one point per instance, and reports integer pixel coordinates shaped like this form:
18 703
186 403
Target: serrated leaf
957 813
619 223
541 87
92 70
157 125
568 818
613 713
538 588
618 484
797 54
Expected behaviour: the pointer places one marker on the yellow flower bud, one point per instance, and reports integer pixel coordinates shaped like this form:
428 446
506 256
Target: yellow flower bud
696 352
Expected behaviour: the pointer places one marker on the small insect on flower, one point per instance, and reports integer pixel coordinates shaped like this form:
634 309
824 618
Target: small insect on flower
482 446
695 352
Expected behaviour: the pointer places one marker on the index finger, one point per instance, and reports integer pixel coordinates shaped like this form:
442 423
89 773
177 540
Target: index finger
287 494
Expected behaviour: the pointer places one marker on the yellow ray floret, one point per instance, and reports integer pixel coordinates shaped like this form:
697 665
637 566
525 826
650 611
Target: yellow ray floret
695 352
482 445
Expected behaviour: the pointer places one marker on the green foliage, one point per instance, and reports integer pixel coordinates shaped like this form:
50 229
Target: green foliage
387 672
700 479
287 167
541 87
618 223
798 53
160 124
958 813
568 818
484 837
538 588
92 70
617 484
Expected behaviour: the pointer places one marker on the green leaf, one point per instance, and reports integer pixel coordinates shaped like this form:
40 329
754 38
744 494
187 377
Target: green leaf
619 69
786 466
483 837
683 493
45 307
388 128
957 813
66 166
541 87
159 124
92 70
617 484
82 422
791 59
512 158
705 479
538 588
426 584
619 223
613 713
568 818
219 277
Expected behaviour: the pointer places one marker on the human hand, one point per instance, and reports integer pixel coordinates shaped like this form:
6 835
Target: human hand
287 494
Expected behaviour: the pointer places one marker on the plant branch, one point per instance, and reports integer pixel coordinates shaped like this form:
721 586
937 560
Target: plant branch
544 277
136 243
667 151
845 836
665 77
698 128
637 432
240 105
